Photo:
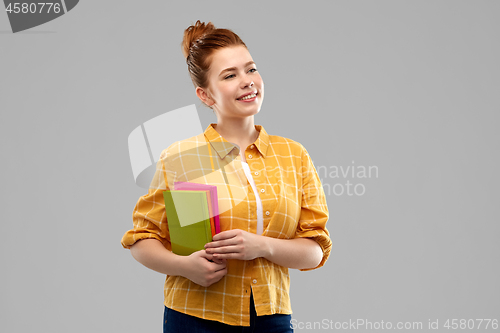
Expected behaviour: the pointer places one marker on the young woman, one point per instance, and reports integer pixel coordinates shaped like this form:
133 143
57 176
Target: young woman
273 208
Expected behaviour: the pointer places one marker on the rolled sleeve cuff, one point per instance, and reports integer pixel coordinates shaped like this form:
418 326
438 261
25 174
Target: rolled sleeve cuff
133 236
324 242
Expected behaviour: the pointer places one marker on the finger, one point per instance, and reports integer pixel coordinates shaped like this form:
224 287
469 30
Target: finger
219 261
225 249
225 235
220 274
206 255
214 244
220 267
214 267
225 256
220 243
216 261
221 249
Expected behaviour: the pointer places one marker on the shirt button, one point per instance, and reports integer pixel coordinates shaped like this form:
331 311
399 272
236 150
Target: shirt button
256 173
254 281
262 190
252 146
268 213
249 156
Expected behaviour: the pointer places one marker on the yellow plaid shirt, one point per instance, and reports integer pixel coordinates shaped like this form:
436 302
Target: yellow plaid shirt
293 203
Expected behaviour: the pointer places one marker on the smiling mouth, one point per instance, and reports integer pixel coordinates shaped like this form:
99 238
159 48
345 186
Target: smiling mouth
248 97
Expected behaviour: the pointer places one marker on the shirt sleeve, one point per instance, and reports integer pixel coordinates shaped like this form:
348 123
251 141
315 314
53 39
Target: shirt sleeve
314 211
149 216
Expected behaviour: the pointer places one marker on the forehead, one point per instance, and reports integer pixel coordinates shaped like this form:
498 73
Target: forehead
235 56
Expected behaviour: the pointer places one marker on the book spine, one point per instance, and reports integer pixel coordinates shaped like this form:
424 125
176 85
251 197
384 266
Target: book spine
208 229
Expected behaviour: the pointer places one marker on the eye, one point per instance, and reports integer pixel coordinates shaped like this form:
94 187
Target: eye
251 69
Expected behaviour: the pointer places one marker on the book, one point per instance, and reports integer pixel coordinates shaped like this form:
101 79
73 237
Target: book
209 202
188 220
214 206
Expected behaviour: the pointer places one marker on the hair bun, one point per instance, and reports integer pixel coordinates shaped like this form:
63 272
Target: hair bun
199 43
193 33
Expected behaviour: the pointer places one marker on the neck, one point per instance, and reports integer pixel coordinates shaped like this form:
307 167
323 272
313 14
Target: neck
240 131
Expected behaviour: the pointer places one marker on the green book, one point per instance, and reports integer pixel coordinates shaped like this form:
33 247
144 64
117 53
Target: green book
188 220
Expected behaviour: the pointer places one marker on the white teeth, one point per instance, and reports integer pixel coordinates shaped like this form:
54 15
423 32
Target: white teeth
248 97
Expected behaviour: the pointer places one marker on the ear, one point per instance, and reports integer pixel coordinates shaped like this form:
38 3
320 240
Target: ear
203 95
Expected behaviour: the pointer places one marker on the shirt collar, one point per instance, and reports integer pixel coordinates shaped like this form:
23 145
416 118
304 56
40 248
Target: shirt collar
224 147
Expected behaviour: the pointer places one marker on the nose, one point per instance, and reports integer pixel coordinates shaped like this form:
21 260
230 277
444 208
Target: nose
247 82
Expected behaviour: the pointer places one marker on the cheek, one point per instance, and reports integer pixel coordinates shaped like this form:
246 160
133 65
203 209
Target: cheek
227 93
259 79
222 92
230 95
261 84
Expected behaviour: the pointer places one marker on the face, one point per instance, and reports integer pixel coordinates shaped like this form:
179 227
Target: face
233 74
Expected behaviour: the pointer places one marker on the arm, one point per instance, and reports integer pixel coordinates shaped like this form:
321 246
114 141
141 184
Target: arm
148 240
195 267
302 252
299 253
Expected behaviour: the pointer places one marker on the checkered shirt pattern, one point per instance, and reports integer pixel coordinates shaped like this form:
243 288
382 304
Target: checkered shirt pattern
294 205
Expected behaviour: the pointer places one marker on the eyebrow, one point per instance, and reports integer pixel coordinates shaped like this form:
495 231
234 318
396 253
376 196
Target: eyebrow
233 68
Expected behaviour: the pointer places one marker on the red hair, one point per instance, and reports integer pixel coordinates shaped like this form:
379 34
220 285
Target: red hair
198 45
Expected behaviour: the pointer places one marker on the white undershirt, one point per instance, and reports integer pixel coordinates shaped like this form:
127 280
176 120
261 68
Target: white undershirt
260 215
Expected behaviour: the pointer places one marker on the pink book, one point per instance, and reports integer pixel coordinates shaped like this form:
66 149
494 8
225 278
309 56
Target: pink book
213 196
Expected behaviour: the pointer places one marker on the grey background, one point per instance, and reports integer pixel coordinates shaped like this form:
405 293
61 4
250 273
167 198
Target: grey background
411 87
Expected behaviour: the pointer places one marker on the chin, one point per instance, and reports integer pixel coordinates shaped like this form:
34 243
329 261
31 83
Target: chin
254 111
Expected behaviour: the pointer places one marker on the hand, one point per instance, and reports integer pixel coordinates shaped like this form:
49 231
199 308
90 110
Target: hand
237 244
201 270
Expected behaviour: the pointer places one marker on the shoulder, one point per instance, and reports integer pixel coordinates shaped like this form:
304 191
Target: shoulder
280 143
178 147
